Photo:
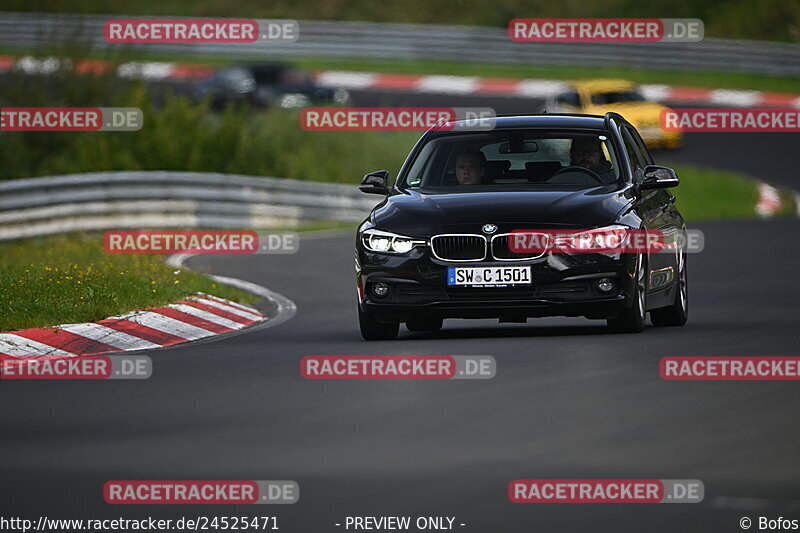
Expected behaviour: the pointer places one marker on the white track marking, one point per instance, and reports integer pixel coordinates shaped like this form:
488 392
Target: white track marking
17 346
655 92
448 84
539 88
112 337
238 312
347 80
243 307
734 98
169 325
205 315
151 70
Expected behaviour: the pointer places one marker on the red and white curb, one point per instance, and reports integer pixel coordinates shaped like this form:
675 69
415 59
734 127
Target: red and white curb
148 70
769 200
540 88
434 84
197 317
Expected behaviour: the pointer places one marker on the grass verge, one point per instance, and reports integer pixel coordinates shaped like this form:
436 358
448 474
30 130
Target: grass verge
709 194
182 135
70 278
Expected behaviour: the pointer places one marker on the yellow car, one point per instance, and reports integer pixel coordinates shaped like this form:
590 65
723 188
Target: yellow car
598 97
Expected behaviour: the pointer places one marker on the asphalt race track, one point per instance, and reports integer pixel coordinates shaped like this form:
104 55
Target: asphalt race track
570 400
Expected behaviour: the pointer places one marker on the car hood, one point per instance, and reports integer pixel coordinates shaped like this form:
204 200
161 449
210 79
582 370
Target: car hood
420 214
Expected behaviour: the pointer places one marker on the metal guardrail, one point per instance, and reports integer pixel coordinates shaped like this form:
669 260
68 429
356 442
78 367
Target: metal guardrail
365 40
159 199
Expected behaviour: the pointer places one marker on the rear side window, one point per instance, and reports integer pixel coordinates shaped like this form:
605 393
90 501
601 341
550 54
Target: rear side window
640 145
616 97
636 160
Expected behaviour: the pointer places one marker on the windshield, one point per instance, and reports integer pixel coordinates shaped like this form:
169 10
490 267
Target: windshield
617 97
512 159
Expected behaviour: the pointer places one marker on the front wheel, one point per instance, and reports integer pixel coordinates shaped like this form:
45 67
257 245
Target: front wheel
633 320
678 313
372 330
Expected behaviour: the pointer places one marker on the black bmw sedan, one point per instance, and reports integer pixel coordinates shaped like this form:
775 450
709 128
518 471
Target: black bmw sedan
442 244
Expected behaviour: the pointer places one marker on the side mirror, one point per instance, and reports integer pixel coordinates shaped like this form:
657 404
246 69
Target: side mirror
656 177
375 182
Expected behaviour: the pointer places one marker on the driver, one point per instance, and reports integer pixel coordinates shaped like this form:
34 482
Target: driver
470 167
587 152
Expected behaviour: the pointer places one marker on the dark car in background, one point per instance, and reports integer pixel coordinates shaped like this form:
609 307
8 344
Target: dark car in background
438 246
267 85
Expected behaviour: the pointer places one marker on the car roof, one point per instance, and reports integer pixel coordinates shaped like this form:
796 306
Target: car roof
543 121
604 85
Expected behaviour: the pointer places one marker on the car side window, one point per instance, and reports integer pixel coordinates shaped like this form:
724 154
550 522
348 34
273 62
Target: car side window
641 145
569 98
636 159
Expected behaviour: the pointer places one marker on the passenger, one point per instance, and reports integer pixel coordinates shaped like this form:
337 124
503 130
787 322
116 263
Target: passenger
470 167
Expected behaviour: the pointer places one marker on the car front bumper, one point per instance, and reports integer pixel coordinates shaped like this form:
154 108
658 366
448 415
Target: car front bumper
562 285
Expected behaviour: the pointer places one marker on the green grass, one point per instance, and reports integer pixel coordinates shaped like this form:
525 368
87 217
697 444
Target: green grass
70 278
180 135
708 194
789 206
745 19
61 279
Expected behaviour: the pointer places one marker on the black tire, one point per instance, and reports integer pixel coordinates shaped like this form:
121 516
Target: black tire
678 313
372 330
633 320
424 324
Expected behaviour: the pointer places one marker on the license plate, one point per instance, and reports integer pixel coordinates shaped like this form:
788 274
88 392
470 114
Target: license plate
489 276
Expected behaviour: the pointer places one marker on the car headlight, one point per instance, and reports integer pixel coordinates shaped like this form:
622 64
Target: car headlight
384 242
608 240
